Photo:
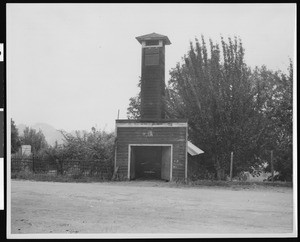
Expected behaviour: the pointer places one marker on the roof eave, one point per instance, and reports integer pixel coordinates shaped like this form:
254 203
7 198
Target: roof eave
165 39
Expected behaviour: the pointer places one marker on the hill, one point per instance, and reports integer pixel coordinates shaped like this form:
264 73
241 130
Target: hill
51 134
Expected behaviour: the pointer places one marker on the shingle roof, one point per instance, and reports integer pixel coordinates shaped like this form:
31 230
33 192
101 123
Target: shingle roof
154 36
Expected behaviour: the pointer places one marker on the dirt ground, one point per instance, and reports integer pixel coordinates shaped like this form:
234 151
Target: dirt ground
147 207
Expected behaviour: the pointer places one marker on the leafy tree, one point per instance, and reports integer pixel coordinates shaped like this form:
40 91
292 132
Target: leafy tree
35 139
85 149
55 155
15 139
216 94
134 109
89 145
276 104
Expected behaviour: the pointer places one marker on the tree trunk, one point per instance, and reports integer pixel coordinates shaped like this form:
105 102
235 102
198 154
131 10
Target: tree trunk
221 174
220 170
59 165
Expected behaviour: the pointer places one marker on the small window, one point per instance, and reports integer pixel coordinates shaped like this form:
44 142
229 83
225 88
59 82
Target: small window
153 50
152 42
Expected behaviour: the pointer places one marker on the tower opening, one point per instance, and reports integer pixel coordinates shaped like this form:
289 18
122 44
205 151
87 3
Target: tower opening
150 162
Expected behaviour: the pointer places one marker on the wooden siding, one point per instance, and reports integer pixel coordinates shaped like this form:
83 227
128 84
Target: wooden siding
175 136
153 84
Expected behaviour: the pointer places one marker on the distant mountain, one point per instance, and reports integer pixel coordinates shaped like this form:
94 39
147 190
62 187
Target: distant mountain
51 134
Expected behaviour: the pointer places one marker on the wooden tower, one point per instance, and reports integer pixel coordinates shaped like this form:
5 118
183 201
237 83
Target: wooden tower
153 75
152 147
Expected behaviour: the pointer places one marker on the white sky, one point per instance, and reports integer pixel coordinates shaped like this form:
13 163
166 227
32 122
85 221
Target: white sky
74 65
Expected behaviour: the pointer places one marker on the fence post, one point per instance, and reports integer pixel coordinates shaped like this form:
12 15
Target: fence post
231 165
272 166
33 168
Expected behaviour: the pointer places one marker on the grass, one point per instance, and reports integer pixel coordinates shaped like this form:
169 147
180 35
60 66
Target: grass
232 184
25 175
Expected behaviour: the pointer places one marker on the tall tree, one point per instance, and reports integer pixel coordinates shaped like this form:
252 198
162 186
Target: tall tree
15 139
134 108
214 91
275 101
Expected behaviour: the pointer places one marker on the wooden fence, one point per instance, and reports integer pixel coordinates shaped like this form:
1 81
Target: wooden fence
91 168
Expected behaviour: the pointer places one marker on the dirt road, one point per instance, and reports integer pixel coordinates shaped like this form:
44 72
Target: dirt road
147 207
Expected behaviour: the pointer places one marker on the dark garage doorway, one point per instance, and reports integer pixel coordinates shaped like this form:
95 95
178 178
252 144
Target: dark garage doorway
150 162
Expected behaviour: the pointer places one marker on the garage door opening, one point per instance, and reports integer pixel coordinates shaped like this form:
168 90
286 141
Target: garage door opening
150 162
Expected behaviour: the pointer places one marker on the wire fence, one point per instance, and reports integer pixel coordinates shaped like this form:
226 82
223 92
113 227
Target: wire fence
89 168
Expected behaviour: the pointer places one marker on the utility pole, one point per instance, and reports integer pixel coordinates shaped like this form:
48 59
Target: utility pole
272 166
231 165
33 157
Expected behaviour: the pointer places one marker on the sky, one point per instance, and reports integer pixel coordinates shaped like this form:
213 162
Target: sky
73 66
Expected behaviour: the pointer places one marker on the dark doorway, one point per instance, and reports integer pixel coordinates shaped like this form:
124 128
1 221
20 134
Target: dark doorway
150 162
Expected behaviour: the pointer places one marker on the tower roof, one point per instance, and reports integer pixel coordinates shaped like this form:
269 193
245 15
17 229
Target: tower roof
154 36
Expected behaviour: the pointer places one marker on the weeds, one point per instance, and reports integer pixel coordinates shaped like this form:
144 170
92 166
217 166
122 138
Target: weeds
79 177
23 175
